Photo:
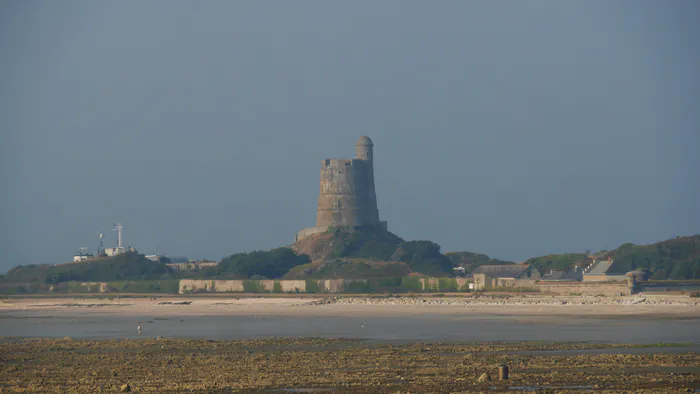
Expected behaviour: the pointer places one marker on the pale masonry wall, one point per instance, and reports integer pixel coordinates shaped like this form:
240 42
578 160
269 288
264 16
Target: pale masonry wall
610 288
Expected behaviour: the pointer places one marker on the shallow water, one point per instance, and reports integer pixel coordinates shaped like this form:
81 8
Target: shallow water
429 327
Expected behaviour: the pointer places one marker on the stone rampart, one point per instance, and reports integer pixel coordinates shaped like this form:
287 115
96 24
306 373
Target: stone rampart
582 288
604 278
322 285
431 285
485 283
214 286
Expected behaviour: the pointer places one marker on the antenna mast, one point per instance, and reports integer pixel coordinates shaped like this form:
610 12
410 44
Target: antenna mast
101 247
118 228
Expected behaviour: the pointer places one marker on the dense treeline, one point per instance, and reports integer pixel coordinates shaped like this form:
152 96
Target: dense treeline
269 264
470 260
562 262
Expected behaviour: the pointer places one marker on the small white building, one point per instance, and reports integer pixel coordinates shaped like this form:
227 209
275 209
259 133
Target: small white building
114 251
81 257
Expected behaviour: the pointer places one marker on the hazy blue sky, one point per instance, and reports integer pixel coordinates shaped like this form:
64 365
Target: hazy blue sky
512 128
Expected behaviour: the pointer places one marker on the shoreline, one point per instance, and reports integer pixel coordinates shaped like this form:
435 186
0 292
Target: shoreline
673 307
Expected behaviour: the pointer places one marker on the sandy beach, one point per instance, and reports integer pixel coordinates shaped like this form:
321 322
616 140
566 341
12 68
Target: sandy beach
656 306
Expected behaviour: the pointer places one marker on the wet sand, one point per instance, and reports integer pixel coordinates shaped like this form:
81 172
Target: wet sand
559 319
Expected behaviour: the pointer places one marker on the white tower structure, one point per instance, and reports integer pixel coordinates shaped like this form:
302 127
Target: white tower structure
120 246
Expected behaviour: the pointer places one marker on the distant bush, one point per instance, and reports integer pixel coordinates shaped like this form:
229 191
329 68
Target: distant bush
144 286
423 257
312 286
471 260
253 286
359 287
412 283
562 262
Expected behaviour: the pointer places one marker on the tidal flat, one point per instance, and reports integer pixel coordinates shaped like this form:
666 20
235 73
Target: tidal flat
340 365
381 319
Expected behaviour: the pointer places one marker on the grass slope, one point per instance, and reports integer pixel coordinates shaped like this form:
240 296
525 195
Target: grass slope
356 252
127 266
674 259
677 258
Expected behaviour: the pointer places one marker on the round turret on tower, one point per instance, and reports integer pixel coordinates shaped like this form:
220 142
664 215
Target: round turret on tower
364 148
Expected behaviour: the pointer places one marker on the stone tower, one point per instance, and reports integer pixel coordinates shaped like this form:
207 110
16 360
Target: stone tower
347 196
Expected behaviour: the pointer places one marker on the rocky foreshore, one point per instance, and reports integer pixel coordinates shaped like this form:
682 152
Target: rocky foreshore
490 301
163 365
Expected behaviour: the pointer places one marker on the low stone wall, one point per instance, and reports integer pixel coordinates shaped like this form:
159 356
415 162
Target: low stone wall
406 284
611 288
307 232
580 288
224 286
604 278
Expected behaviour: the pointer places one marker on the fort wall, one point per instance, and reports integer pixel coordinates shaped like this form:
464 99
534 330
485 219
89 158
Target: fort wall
484 282
445 285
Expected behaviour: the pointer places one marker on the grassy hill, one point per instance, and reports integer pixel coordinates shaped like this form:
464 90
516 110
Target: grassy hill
677 258
127 266
370 251
367 242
